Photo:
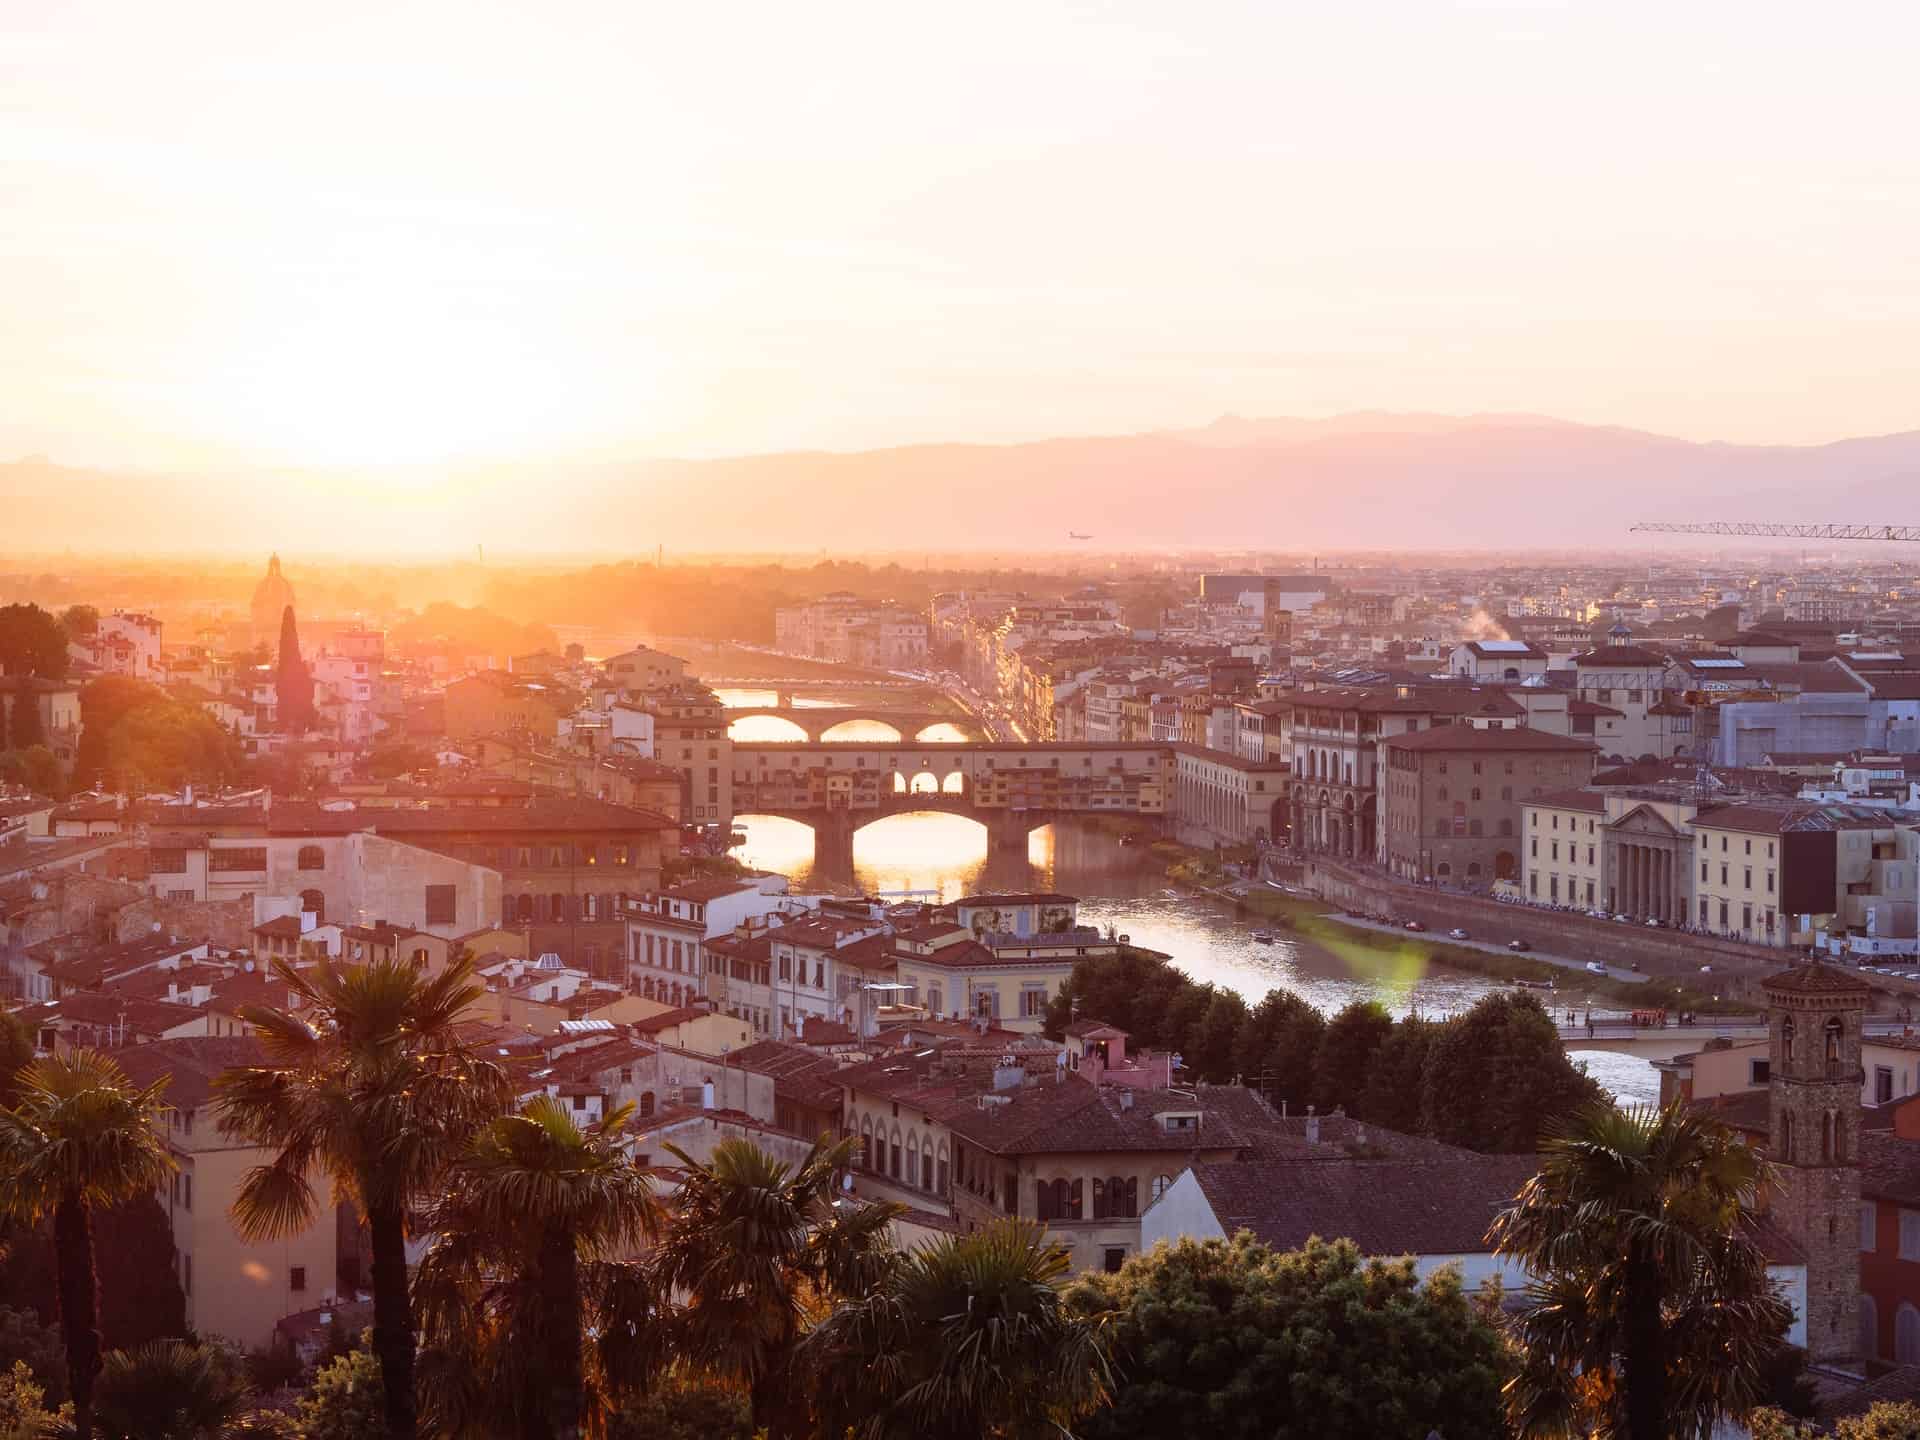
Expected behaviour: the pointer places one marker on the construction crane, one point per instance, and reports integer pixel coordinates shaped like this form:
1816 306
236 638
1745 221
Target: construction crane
1800 532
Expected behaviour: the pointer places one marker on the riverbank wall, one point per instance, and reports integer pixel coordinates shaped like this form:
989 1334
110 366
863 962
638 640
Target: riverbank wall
1737 969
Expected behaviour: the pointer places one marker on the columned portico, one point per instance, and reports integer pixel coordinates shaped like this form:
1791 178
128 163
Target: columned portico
1645 853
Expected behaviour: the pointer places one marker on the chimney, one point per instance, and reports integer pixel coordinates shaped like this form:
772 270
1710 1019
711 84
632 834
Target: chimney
1313 1127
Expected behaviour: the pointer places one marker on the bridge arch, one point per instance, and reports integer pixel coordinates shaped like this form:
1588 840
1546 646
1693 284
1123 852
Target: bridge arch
832 736
765 727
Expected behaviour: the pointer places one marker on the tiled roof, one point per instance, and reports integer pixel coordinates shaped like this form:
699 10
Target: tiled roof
1575 799
1780 819
1816 978
1620 657
701 891
193 1062
1472 737
666 1020
802 1076
1889 1167
103 1007
1749 1110
1386 1207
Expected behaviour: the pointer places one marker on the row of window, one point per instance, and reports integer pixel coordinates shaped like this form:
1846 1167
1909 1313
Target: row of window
558 909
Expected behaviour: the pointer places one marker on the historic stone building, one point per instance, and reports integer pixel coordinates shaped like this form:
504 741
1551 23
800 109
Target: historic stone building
1815 1013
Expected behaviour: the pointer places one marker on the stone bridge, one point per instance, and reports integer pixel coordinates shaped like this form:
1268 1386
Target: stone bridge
1011 789
817 720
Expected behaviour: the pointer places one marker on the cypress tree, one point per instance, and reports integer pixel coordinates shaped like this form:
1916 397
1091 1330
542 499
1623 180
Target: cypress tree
294 684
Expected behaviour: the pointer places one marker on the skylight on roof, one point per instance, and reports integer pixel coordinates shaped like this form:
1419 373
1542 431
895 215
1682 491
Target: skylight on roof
1504 647
1719 664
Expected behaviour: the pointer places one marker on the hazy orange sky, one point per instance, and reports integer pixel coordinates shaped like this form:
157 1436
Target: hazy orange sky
358 233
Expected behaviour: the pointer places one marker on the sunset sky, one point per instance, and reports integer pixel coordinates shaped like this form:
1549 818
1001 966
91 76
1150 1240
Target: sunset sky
363 233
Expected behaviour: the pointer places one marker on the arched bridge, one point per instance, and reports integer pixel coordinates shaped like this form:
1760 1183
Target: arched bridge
1011 789
817 720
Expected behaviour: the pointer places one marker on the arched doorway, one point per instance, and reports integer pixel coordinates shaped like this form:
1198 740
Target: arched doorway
314 903
1505 867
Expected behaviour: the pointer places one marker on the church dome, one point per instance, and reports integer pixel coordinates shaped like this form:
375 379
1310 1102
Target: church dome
270 597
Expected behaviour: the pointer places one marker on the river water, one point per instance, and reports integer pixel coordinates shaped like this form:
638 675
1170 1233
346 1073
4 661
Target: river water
941 856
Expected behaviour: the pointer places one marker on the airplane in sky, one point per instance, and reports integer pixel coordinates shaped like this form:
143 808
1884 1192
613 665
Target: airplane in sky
1076 535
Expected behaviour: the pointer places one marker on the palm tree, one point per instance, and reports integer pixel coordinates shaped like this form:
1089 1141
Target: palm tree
81 1136
533 1201
750 1244
170 1390
966 1337
1651 1314
378 1091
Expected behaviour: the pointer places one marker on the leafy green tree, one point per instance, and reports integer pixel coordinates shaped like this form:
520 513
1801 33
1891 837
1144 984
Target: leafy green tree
1208 1048
348 1401
79 621
104 703
1653 1311
1498 1076
24 728
169 1390
170 743
37 769
372 1085
533 1202
749 1243
25 1338
684 1407
1231 1340
1352 1041
79 1138
1393 1091
964 1337
1279 1049
1884 1420
32 642
133 1243
23 1406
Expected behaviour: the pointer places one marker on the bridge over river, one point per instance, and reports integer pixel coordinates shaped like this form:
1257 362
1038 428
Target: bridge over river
819 720
1011 789
1618 1033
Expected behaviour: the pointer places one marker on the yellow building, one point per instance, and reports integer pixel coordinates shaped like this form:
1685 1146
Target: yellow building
1563 859
235 1289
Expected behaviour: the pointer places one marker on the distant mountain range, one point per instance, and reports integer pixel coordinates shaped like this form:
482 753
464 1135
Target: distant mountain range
1363 480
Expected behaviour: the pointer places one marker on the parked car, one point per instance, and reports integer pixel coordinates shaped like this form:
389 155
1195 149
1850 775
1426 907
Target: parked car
1519 945
1456 933
1415 925
1594 967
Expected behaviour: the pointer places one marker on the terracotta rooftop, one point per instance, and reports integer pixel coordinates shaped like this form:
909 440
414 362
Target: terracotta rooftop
1473 737
1386 1207
1816 978
193 1062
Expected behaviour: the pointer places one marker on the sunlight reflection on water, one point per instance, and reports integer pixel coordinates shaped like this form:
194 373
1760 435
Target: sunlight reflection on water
1127 888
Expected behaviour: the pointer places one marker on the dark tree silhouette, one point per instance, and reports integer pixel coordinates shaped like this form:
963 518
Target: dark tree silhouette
293 685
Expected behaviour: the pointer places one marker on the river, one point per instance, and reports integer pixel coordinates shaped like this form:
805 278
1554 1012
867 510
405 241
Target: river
946 856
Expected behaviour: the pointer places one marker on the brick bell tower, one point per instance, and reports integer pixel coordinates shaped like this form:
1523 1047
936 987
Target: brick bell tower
1814 1018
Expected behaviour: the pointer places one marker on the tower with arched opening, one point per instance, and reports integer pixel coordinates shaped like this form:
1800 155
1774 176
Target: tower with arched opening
1814 1018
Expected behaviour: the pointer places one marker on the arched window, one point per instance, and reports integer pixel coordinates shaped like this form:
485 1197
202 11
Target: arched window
1786 1038
315 903
1786 1137
1826 1137
589 908
1906 1334
1834 1030
1128 1195
556 908
893 1168
312 857
1099 1198
1869 1328
524 911
913 1157
646 1102
866 1142
1443 870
